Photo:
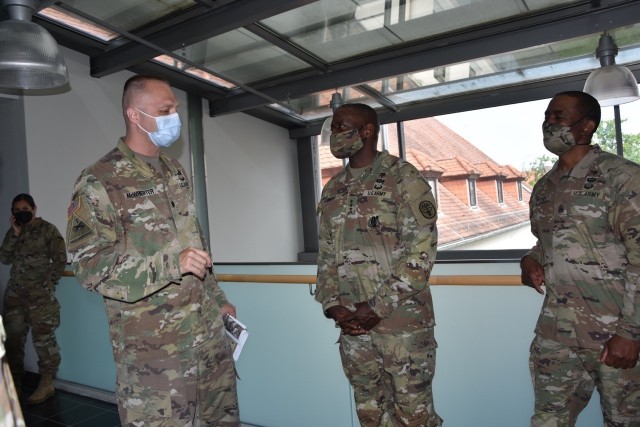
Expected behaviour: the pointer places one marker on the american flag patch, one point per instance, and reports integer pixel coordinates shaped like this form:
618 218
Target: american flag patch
73 207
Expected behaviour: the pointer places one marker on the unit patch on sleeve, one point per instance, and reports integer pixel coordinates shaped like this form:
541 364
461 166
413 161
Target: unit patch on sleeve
78 224
427 209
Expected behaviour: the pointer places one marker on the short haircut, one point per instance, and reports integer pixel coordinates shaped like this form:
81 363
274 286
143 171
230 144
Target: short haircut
26 197
587 105
135 85
368 114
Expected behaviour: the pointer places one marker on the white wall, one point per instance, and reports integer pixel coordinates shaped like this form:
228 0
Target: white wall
252 190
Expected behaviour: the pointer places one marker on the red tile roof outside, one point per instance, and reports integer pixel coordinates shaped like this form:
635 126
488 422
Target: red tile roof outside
437 151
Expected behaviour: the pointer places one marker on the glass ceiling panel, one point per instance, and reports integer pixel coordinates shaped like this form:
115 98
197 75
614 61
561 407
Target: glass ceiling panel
170 62
533 64
242 56
129 15
316 106
71 20
335 30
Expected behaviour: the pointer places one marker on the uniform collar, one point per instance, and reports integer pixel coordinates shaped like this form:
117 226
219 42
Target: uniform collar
382 157
581 169
143 167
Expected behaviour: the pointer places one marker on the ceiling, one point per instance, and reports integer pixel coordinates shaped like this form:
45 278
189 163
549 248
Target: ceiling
280 60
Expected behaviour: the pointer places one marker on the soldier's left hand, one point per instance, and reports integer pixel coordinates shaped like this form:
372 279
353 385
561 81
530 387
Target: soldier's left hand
365 316
620 352
228 309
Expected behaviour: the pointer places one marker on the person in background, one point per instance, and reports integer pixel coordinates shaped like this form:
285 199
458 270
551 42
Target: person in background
36 251
585 213
378 240
134 238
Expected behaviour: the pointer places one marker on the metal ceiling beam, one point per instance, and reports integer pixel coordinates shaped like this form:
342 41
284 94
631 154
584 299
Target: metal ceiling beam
209 24
289 47
474 101
379 97
537 29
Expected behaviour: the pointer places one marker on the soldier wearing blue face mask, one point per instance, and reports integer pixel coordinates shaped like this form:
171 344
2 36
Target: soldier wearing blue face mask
36 251
134 238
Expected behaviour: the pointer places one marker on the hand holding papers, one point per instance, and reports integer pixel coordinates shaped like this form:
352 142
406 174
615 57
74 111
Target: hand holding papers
237 333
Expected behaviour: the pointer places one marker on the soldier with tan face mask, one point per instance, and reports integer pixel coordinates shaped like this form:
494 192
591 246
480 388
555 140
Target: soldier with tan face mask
585 213
378 240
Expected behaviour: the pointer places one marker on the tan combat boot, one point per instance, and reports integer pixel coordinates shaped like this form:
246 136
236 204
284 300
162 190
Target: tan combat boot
44 391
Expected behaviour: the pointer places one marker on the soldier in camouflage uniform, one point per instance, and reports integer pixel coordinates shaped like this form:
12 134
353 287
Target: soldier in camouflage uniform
35 249
378 241
134 238
585 213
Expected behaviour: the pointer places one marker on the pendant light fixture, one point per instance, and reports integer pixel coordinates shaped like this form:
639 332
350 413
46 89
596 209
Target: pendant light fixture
611 84
29 55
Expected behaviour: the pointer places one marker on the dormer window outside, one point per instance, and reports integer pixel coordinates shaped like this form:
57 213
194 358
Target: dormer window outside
433 183
519 186
500 193
473 200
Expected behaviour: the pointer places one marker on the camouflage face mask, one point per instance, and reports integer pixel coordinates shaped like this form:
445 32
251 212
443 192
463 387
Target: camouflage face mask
345 144
558 139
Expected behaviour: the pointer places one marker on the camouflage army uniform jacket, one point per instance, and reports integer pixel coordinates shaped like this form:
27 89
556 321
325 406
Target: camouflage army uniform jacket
127 224
378 241
37 257
587 222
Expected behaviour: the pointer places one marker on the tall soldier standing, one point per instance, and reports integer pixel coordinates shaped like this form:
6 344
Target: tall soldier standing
378 241
585 213
135 239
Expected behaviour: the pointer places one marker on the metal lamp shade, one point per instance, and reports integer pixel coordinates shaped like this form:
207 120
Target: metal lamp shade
29 57
612 85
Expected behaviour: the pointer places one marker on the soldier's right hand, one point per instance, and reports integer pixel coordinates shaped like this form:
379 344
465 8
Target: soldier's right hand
16 227
532 274
346 320
195 261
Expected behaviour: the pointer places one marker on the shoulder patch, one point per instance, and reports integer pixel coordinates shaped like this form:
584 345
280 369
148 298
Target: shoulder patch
79 229
427 209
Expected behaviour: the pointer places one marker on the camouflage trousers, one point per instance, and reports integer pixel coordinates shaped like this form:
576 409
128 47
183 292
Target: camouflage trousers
195 388
391 376
37 308
564 379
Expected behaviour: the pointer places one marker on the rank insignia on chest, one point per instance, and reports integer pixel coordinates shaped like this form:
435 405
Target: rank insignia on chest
374 222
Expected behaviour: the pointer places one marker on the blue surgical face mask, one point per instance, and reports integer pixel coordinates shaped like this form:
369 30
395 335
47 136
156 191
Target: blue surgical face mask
168 129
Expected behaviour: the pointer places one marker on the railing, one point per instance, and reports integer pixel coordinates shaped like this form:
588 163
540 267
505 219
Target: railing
436 280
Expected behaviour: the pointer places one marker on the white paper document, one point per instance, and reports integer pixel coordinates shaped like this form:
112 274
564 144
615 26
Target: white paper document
237 333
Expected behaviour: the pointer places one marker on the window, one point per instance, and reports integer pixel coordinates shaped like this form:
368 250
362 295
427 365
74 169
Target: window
481 181
473 200
433 183
519 186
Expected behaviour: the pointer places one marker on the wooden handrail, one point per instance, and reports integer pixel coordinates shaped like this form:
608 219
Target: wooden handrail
449 280
455 280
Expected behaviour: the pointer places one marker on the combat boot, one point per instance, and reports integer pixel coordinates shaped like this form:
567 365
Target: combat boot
44 391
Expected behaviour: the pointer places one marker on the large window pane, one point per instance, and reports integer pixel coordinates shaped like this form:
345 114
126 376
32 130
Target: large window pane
496 150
